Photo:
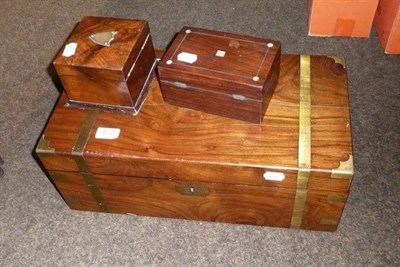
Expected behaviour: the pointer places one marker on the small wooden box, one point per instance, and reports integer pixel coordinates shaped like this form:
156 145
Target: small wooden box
293 170
107 63
220 73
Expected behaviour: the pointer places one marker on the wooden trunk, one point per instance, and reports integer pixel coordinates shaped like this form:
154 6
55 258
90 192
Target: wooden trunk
293 170
112 66
221 73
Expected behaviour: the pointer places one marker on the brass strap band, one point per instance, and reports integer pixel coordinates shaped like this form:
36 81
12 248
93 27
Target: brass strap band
77 154
338 198
298 208
304 156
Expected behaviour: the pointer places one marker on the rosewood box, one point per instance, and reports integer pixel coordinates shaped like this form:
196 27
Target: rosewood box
220 73
293 170
107 63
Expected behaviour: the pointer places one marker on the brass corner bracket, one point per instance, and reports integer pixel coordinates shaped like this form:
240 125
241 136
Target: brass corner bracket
43 148
345 169
339 60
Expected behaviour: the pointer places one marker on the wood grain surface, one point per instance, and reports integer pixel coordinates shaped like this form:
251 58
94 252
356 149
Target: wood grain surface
155 197
229 203
180 139
245 57
166 148
111 75
237 84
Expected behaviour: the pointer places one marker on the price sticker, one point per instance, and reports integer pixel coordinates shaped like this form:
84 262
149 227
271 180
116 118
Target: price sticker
107 133
70 49
187 57
274 176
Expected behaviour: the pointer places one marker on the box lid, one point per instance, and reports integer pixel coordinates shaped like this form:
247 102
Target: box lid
121 38
243 60
165 141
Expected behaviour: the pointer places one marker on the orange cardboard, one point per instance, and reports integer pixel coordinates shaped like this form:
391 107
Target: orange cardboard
387 24
352 18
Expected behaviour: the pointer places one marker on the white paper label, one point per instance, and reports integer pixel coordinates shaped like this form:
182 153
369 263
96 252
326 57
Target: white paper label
70 49
187 57
107 133
274 176
220 53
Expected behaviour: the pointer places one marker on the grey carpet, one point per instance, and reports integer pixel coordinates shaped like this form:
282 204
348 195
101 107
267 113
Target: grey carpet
38 229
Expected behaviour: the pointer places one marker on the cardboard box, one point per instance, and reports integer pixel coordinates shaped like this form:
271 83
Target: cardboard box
352 18
387 24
